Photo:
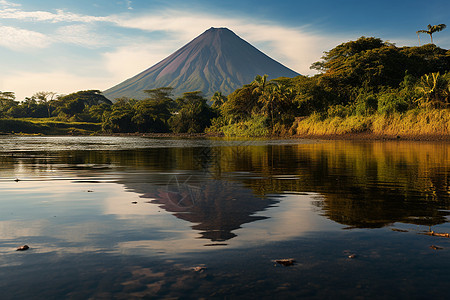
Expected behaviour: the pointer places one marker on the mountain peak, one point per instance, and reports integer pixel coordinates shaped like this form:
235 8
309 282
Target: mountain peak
216 60
218 29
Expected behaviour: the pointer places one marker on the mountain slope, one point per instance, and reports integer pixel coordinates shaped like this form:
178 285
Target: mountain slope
217 60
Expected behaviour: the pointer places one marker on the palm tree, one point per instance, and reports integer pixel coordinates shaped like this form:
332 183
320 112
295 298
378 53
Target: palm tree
274 101
260 83
260 87
435 90
431 30
218 100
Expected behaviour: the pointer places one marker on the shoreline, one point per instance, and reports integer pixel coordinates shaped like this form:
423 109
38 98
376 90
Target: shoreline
365 136
347 136
379 137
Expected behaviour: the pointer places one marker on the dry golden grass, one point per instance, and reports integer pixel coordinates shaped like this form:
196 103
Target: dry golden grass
413 122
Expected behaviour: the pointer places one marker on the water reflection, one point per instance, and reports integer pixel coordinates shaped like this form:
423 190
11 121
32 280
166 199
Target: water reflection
216 207
369 185
363 184
123 222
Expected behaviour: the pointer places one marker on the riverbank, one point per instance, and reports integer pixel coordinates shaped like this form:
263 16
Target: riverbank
414 125
411 125
347 136
375 137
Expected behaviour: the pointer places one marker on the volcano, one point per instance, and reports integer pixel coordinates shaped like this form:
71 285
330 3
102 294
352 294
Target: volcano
216 60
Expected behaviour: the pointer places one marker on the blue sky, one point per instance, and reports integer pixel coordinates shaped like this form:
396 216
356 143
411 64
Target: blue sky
64 46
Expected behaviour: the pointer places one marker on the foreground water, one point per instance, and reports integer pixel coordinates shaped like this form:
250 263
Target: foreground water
129 217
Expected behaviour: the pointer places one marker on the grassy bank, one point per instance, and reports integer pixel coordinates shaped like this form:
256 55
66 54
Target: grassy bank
433 122
47 127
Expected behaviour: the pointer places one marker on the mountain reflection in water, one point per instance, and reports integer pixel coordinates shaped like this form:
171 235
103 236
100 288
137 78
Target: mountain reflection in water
216 207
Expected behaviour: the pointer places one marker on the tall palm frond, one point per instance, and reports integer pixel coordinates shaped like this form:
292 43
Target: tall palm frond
430 30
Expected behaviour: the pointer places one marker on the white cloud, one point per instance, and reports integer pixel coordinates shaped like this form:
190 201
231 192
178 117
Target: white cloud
4 3
21 39
79 34
45 16
295 48
129 4
127 61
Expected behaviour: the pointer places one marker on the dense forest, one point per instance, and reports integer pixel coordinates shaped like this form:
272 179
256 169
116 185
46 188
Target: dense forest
367 85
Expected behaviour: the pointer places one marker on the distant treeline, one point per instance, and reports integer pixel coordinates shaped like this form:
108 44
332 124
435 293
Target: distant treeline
363 85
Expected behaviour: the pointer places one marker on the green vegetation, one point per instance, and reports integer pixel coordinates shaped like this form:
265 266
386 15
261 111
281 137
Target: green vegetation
363 86
47 127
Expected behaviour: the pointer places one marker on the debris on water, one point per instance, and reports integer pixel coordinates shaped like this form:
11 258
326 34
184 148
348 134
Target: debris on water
285 261
23 248
399 230
434 247
199 269
17 180
215 244
432 233
350 254
89 191
134 202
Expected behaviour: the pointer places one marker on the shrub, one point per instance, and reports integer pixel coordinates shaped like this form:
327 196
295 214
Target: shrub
390 103
256 126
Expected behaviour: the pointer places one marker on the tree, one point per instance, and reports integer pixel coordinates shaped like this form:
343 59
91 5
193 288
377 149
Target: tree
158 94
120 117
218 100
7 100
194 115
278 99
46 98
261 88
152 115
89 97
260 84
76 106
240 104
430 30
435 90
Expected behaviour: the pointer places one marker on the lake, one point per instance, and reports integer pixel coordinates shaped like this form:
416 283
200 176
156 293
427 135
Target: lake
136 217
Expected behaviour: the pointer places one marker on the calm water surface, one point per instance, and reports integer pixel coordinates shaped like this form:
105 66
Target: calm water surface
132 217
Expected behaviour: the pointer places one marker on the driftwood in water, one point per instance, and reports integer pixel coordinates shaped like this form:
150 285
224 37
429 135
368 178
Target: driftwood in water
23 248
285 262
432 233
434 247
